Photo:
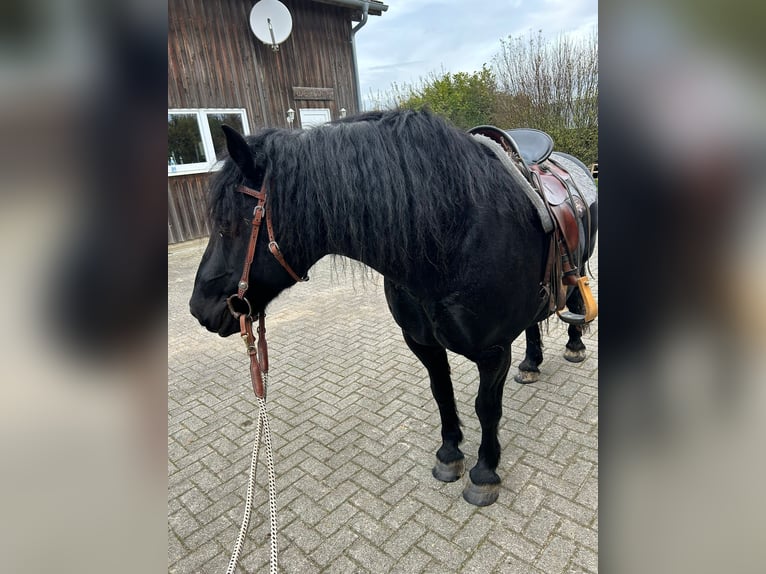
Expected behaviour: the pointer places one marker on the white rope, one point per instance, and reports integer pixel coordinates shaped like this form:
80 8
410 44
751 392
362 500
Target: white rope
272 488
261 425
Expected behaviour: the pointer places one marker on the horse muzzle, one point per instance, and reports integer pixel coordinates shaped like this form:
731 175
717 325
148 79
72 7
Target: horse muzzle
215 317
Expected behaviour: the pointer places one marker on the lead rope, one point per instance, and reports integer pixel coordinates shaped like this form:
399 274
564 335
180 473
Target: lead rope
261 427
262 424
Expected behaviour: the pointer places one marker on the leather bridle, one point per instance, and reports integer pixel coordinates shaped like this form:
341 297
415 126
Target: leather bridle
259 358
258 214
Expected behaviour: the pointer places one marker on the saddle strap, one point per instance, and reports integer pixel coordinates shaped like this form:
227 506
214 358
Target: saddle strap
553 289
568 227
581 196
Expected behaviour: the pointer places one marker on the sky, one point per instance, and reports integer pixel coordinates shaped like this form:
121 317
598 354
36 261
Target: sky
416 37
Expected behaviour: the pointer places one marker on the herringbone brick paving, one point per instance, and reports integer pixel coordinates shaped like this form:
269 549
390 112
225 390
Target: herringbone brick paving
355 430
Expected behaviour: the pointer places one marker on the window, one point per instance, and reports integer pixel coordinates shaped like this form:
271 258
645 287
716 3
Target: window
312 117
195 138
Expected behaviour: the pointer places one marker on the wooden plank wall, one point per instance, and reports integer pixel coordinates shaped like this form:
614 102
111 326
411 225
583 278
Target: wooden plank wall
187 207
215 61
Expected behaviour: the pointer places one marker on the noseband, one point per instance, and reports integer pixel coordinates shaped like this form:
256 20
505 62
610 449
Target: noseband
259 361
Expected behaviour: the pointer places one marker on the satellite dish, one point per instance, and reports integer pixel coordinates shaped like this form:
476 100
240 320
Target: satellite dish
271 22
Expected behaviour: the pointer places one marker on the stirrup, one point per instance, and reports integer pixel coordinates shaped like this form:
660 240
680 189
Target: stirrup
591 307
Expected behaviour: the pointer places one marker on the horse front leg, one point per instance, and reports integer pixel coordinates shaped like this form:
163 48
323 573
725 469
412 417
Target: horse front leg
529 369
483 485
575 348
450 463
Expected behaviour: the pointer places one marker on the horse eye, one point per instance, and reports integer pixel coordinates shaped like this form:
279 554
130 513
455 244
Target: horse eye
222 231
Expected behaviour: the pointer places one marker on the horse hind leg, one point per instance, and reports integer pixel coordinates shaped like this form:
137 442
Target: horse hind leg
575 348
529 369
483 485
450 464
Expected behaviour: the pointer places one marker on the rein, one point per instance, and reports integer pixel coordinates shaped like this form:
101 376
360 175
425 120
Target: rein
259 370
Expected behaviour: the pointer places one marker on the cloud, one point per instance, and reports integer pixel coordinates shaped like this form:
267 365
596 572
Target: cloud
394 66
412 40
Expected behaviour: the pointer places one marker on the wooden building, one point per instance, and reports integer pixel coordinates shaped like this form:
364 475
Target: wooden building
220 72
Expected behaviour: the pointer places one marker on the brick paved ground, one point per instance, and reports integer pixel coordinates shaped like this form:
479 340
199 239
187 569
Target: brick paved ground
355 431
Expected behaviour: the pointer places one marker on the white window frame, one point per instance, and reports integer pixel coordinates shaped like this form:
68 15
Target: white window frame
207 139
309 111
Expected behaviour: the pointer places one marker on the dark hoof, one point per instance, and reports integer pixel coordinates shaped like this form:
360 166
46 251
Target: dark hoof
526 377
574 356
448 471
481 494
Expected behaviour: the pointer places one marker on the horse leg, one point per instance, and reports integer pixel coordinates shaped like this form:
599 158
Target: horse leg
575 348
529 371
450 463
483 485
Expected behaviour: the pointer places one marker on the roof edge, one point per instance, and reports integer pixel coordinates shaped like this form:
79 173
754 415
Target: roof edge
376 8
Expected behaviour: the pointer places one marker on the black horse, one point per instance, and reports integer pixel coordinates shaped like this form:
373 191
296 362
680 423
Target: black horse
461 249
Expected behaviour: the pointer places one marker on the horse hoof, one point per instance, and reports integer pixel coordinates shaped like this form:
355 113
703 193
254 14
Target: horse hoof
481 494
574 356
448 471
526 377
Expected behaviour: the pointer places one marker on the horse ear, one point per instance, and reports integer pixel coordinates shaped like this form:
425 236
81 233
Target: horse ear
239 151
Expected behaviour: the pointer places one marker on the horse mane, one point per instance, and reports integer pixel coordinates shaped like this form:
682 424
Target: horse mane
394 185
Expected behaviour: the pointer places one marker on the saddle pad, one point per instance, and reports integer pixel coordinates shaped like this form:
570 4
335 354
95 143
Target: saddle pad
580 175
519 178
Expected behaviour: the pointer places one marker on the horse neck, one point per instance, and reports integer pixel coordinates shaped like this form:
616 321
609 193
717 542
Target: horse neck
315 222
343 245
329 235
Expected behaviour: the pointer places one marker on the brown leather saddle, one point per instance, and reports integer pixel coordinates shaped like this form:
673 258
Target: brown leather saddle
530 149
566 206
